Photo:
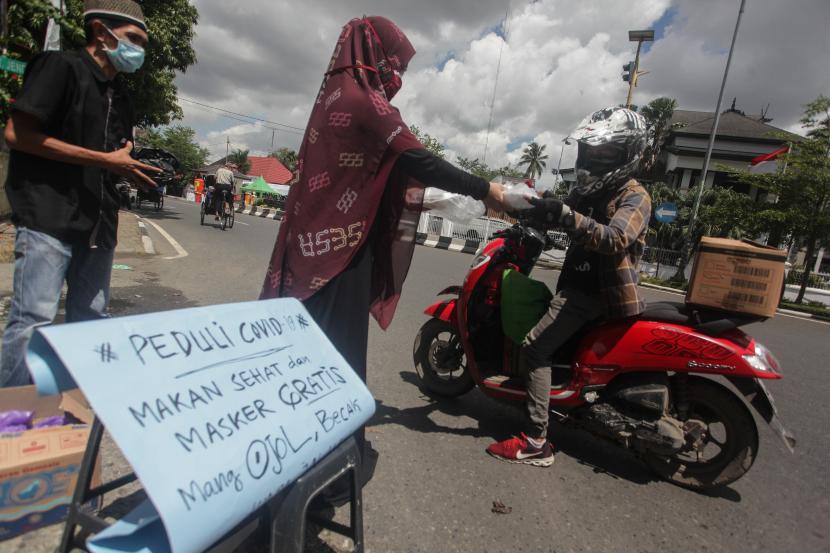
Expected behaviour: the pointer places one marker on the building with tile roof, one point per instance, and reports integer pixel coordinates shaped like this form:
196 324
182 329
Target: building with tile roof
740 138
269 168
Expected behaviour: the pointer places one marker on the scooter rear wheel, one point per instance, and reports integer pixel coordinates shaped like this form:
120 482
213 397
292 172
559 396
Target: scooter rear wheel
729 445
440 361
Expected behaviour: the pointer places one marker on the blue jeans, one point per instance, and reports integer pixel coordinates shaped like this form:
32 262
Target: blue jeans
42 264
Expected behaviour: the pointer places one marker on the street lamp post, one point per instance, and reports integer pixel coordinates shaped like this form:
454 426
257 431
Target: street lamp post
558 171
639 37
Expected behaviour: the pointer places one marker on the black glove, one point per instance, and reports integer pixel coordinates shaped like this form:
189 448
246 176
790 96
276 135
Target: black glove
548 210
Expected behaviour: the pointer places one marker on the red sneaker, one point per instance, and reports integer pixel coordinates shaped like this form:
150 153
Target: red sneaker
520 450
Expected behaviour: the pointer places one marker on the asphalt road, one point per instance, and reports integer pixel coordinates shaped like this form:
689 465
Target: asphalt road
434 485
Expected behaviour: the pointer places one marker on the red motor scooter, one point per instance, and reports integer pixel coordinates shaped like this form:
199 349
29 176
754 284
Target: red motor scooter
644 383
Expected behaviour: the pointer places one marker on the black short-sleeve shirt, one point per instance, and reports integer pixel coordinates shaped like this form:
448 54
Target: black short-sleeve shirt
75 102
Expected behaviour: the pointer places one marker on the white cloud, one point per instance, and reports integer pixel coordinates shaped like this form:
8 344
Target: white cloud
561 60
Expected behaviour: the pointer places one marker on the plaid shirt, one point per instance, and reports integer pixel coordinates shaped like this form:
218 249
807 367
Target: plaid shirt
620 244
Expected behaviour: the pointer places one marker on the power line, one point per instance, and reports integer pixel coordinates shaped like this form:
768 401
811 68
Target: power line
248 122
188 100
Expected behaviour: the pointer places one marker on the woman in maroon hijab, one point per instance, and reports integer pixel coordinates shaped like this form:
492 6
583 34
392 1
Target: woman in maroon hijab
348 233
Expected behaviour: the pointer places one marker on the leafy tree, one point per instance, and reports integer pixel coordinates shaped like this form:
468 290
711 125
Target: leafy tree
723 213
509 171
817 117
287 157
475 166
153 91
478 168
27 22
240 158
658 114
802 187
179 141
430 143
535 159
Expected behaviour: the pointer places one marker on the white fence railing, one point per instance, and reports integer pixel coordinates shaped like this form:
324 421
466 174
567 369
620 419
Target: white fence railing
476 230
815 280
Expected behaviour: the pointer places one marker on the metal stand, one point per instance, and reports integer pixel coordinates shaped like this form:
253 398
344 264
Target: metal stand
286 513
289 512
78 516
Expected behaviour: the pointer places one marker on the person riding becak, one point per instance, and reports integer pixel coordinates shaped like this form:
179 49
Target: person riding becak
223 189
606 216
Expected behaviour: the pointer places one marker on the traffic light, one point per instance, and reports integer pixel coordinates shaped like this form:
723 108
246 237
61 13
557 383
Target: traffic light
629 70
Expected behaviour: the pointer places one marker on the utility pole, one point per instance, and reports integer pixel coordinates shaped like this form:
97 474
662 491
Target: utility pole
227 149
633 68
686 252
4 15
273 133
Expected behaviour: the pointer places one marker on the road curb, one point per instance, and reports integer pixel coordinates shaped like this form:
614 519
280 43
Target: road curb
263 213
146 241
446 243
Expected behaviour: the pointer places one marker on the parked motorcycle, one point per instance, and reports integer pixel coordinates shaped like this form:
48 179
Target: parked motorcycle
645 384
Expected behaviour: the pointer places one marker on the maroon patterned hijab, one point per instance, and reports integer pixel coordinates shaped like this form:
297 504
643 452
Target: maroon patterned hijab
346 184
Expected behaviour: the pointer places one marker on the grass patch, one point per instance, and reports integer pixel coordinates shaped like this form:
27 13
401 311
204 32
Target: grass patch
667 283
813 308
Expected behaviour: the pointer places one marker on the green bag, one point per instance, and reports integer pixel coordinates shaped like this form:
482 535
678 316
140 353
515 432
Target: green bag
523 302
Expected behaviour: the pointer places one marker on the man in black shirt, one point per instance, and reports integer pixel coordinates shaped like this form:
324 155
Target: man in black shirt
70 130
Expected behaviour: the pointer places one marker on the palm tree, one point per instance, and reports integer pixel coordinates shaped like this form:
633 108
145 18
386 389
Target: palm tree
533 158
658 114
240 158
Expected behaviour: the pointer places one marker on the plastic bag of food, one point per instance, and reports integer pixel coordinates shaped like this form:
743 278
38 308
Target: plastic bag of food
12 421
56 420
515 196
455 207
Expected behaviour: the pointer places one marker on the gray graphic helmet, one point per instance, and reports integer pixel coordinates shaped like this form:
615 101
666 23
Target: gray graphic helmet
609 144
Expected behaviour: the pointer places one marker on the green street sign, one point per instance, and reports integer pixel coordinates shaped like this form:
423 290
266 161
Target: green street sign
12 65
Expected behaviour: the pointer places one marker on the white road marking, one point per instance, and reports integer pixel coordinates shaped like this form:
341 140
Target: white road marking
180 251
241 223
146 241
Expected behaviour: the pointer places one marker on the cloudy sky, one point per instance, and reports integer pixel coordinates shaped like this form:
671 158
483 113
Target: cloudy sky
560 59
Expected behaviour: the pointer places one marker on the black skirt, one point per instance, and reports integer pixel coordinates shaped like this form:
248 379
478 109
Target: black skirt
341 308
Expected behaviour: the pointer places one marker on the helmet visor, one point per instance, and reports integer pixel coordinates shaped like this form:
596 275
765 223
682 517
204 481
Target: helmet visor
600 159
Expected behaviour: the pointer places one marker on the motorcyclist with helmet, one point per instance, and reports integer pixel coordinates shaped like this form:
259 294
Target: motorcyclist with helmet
606 216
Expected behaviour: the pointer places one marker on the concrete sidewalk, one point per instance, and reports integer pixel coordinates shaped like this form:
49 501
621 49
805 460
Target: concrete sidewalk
130 246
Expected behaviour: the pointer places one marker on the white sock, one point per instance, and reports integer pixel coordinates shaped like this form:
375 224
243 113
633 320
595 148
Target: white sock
535 443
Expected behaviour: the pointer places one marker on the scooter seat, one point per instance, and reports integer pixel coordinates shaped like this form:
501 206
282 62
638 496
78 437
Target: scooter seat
707 321
668 312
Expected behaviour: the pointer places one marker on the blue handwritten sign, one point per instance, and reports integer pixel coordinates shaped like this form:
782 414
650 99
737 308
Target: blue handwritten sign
216 408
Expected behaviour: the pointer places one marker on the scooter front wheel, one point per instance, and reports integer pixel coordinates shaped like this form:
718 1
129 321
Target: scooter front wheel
440 360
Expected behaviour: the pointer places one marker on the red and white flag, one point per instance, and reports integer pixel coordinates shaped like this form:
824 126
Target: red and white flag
761 163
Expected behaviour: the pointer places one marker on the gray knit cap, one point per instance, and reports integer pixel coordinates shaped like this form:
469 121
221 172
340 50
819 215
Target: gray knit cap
118 10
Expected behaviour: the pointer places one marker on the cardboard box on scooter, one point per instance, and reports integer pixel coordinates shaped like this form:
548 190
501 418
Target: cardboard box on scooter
738 276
